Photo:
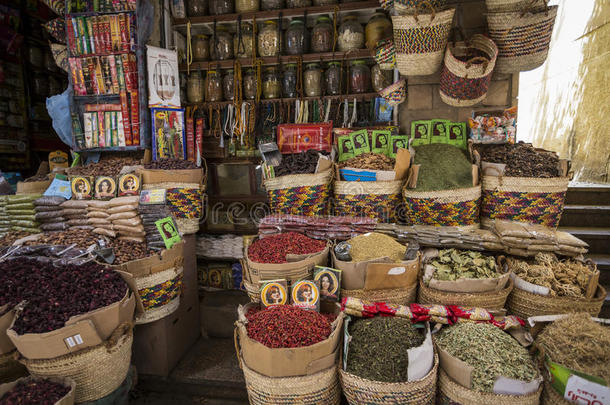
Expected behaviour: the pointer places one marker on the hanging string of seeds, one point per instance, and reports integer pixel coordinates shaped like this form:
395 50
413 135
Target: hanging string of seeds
564 278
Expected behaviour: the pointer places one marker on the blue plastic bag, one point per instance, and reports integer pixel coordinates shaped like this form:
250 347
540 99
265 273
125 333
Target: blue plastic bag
58 108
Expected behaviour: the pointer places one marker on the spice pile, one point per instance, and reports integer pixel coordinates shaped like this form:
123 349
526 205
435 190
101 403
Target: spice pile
273 249
375 245
490 351
442 167
578 343
10 238
105 167
370 161
171 164
39 392
54 294
38 177
287 326
378 348
521 160
563 278
298 163
453 264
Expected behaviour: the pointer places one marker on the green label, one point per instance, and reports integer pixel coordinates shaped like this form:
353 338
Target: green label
360 140
168 231
561 374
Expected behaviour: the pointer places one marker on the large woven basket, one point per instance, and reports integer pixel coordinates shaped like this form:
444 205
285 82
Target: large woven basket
450 392
525 304
10 369
491 300
551 397
395 93
404 7
97 370
300 194
358 390
375 199
523 38
503 6
465 83
186 203
160 294
398 296
318 388
442 208
253 291
420 41
522 199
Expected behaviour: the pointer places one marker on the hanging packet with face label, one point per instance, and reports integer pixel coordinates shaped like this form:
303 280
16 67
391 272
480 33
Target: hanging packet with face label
360 140
381 142
456 134
398 142
346 148
420 133
438 131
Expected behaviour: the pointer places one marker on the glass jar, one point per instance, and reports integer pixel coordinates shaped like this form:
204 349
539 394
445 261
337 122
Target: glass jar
298 3
272 4
379 27
218 7
194 88
221 45
246 6
201 48
312 80
296 38
269 39
243 50
213 86
359 77
380 79
35 56
332 78
351 34
196 8
250 84
324 2
322 35
289 80
228 85
271 83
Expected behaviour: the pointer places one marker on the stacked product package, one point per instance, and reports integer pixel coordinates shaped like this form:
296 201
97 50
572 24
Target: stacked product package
50 213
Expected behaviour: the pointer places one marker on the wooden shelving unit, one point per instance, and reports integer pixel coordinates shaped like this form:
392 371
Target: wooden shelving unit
358 96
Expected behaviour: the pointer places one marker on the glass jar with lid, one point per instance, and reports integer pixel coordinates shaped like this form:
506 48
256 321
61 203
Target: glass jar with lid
289 80
269 39
219 7
243 49
296 41
359 77
228 84
322 35
312 80
246 6
194 88
196 8
271 83
201 48
332 78
298 3
213 86
350 35
272 5
250 84
221 44
379 27
380 79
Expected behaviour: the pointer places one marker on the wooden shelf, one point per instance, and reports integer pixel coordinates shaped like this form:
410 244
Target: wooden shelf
113 149
349 97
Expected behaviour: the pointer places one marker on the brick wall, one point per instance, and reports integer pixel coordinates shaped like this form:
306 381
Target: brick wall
423 99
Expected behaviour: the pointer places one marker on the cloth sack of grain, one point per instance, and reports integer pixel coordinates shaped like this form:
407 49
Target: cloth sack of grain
20 211
49 211
125 219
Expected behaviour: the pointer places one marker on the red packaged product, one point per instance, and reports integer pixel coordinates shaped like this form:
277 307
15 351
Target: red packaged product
135 117
126 120
190 138
295 138
198 140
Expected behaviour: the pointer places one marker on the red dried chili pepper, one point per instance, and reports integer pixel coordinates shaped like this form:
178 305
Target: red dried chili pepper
273 249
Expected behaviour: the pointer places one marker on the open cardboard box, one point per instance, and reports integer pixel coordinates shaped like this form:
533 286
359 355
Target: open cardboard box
153 176
401 168
324 163
67 399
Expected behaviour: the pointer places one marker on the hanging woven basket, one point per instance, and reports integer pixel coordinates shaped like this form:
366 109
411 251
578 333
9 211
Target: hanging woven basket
385 54
406 7
300 194
396 93
506 6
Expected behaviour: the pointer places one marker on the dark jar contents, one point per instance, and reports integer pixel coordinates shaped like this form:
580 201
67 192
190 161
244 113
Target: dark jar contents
201 48
271 83
228 85
324 2
272 5
298 3
221 45
243 49
322 35
296 38
269 39
250 84
194 88
380 79
213 86
289 81
312 79
332 78
246 6
196 8
360 77
350 34
379 27
218 7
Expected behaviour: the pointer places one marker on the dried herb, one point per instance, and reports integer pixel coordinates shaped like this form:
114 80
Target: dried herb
375 245
521 160
442 167
378 348
39 392
298 163
490 351
370 161
453 264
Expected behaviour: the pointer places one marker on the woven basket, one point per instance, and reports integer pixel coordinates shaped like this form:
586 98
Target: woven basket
525 304
463 84
450 392
523 39
398 296
10 369
300 194
319 388
404 7
523 199
385 54
504 6
551 397
253 292
395 93
420 41
442 208
375 199
159 293
490 300
387 5
97 370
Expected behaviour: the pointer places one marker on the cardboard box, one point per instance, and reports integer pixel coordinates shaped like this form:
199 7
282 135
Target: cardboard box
6 321
33 187
68 399
154 176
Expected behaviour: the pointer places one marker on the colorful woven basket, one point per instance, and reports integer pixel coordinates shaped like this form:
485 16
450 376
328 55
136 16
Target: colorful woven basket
395 93
464 84
523 199
505 6
58 6
375 199
405 7
398 296
159 294
57 29
300 194
387 5
420 41
523 38
442 208
490 300
385 54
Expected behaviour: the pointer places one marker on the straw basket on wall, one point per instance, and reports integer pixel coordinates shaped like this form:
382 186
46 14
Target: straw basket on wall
300 194
503 6
375 199
490 300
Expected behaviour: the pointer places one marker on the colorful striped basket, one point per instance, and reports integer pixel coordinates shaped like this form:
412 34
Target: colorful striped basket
387 5
375 199
159 294
463 84
405 7
505 6
523 199
395 93
398 296
186 205
300 194
385 54
443 208
523 38
420 41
